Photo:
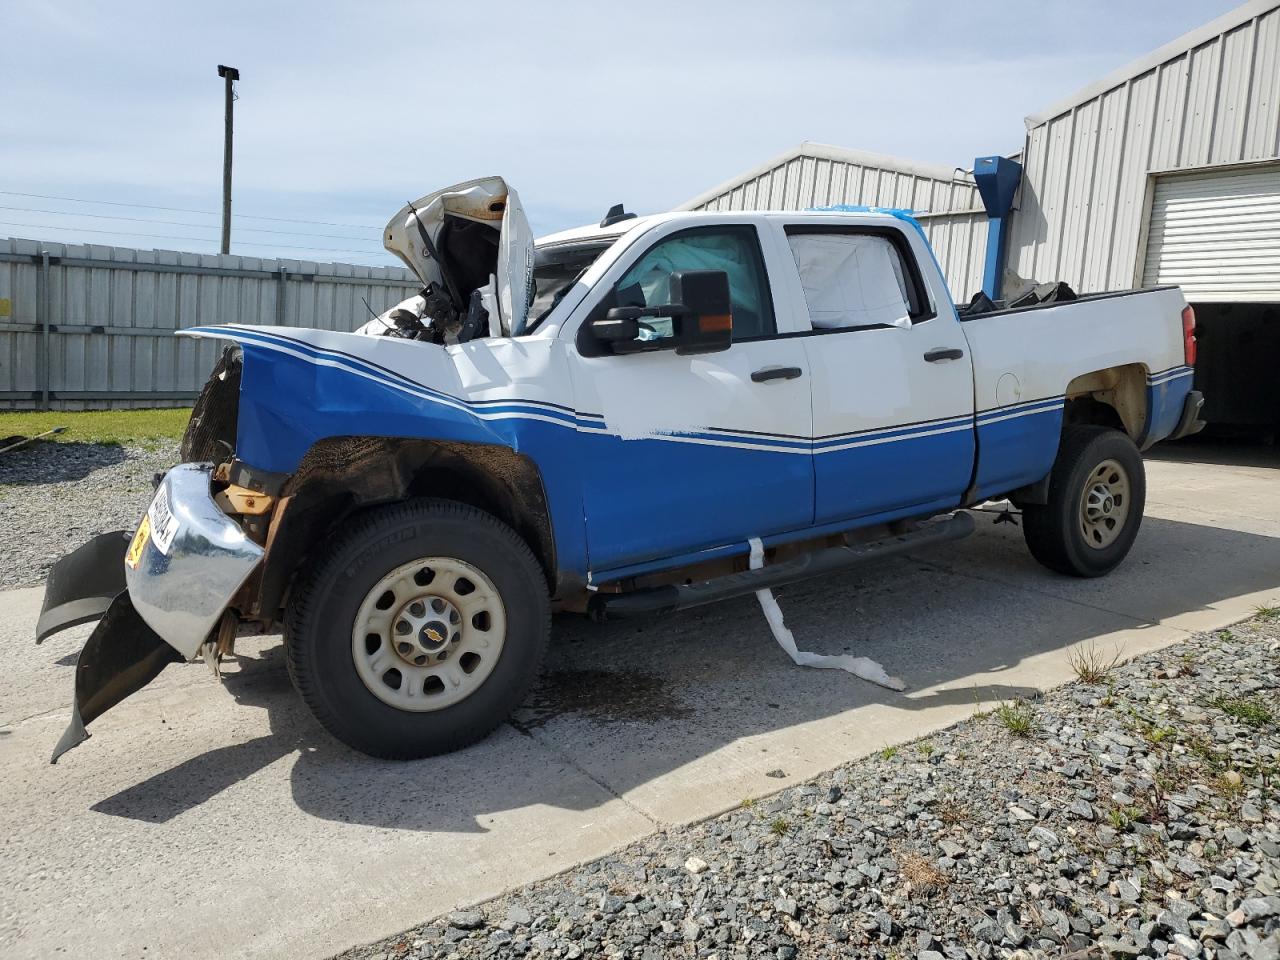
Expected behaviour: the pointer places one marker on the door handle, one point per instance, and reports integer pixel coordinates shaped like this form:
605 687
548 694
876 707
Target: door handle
950 353
776 373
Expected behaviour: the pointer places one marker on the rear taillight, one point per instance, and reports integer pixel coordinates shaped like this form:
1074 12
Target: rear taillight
1189 336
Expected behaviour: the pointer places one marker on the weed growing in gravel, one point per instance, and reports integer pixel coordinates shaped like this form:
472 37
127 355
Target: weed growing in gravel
1186 666
922 875
1226 635
1230 785
1245 709
780 827
1091 664
952 813
1150 732
1019 717
1122 818
888 753
1267 612
925 748
1209 755
1109 700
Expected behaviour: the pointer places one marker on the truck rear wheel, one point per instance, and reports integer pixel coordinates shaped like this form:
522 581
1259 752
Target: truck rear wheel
418 629
1097 492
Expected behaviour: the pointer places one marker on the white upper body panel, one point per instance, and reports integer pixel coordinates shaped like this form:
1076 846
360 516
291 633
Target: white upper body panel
1042 349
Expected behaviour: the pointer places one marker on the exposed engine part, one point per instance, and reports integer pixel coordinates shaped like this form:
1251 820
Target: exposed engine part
431 317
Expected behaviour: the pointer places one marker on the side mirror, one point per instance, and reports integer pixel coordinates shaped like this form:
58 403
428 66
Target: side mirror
700 318
706 323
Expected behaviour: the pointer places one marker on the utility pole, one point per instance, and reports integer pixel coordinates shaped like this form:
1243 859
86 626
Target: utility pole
230 75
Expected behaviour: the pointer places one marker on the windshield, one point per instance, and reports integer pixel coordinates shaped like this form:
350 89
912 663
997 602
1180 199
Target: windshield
555 270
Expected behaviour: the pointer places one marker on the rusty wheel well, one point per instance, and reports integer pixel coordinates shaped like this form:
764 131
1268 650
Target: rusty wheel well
342 476
1114 397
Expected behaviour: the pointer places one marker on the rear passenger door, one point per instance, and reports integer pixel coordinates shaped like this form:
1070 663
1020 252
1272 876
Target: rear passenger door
892 379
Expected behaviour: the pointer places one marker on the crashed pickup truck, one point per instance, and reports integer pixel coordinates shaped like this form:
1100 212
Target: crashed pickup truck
607 422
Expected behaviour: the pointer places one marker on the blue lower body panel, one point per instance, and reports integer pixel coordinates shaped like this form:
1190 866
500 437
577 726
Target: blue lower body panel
891 473
650 498
1017 445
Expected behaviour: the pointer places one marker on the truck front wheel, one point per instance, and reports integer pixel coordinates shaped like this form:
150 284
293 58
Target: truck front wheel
418 629
1097 491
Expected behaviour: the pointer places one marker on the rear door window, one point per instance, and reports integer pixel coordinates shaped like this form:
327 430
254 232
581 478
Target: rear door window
853 280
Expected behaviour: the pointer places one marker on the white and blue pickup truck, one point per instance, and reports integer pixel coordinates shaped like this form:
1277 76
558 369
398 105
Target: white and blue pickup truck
602 422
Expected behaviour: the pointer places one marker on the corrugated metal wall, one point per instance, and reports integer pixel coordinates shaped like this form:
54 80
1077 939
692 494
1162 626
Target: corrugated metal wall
949 209
1088 168
94 328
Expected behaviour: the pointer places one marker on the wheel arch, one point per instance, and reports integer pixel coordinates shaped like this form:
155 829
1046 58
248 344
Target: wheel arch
1111 397
1114 397
340 477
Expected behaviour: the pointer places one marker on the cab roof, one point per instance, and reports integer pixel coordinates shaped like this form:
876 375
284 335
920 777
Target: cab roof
594 231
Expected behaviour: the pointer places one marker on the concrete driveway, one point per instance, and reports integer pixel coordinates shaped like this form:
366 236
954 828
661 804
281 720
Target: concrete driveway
208 820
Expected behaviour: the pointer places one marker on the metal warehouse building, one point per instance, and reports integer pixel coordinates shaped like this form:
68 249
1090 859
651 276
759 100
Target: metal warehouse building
945 200
1165 172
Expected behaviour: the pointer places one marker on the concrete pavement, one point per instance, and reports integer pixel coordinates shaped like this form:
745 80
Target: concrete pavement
209 820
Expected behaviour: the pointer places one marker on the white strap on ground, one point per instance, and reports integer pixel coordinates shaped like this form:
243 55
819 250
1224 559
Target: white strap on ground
863 667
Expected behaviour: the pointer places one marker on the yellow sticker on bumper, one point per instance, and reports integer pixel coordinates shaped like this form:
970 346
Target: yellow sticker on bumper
134 553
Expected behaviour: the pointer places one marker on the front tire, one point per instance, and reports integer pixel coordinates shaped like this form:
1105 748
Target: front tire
418 629
1097 493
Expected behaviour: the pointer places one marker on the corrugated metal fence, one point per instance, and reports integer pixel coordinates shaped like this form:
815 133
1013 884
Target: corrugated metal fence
89 326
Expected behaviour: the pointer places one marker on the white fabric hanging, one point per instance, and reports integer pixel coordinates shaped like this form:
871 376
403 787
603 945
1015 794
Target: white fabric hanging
863 667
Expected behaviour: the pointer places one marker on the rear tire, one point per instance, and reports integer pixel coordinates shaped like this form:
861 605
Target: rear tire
1097 493
418 629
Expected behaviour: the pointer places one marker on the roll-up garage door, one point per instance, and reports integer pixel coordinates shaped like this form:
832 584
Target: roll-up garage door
1217 235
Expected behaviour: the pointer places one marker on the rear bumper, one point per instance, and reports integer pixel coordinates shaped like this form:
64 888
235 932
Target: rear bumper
1189 423
180 584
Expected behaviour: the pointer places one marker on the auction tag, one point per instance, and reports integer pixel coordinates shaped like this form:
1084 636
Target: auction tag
134 553
164 525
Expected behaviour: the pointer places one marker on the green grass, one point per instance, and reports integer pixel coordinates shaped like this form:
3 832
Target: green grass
99 426
1122 818
780 827
1267 612
1019 717
888 753
1248 711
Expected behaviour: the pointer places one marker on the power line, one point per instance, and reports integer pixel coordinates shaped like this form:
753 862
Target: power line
207 213
178 223
162 236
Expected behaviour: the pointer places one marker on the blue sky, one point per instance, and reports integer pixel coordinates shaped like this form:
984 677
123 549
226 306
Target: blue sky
348 109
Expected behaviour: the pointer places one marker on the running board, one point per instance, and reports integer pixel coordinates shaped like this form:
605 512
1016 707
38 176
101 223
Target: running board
670 598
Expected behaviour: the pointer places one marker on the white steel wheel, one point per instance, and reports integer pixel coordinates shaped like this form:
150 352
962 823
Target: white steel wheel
1104 504
428 634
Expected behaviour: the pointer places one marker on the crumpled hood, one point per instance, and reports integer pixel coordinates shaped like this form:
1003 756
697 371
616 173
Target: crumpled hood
413 235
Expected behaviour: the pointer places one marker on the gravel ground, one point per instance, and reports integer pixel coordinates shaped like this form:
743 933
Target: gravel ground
1137 816
55 496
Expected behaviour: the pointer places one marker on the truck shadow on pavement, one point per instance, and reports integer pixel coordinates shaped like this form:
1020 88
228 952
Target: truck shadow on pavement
628 702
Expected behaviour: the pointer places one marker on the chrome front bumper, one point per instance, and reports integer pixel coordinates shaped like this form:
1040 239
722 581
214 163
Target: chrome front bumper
183 570
158 595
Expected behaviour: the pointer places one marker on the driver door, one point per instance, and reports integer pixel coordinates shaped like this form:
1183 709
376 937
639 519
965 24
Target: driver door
685 454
